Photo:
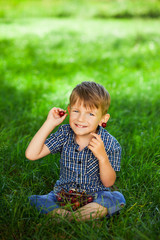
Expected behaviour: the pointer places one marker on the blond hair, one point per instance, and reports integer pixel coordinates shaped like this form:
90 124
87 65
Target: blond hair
92 95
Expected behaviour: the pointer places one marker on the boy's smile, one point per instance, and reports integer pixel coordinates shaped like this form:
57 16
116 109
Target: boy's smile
80 126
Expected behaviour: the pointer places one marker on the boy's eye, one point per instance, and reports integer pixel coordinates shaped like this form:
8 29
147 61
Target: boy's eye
91 114
75 110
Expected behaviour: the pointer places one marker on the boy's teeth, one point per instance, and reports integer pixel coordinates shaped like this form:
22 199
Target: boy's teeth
80 126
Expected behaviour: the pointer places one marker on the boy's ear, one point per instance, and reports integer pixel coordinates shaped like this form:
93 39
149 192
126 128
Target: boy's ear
105 119
68 108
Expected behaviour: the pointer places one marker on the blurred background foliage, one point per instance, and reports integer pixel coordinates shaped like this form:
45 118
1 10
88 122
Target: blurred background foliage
80 8
46 48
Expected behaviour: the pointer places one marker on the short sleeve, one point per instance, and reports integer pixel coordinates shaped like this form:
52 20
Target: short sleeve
56 140
114 155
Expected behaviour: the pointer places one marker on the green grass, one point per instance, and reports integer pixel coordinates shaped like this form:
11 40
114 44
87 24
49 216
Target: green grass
41 61
87 9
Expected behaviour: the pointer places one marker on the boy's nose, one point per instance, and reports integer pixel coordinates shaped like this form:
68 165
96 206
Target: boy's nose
81 117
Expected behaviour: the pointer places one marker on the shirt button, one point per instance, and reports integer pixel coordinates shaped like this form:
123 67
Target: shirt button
78 185
79 175
79 162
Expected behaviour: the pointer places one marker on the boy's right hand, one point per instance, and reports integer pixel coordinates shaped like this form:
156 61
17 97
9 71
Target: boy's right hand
54 117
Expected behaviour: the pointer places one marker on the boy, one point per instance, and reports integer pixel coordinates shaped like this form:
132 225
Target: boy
89 154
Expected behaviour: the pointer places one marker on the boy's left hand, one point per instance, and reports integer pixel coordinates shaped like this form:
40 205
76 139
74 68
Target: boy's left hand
96 145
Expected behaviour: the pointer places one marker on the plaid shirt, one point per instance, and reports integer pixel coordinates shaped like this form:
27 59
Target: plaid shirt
80 169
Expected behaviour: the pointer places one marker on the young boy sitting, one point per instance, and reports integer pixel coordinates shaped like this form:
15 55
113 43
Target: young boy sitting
90 156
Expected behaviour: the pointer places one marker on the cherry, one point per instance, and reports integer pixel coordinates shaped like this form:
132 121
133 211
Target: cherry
73 200
62 204
61 113
76 205
89 199
104 124
59 198
71 191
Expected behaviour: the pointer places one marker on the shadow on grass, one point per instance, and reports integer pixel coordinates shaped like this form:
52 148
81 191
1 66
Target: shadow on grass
17 180
13 103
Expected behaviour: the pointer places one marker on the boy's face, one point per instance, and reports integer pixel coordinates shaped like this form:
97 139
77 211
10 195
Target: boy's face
84 121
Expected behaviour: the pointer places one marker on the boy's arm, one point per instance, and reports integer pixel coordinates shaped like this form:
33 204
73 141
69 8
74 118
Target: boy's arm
36 148
107 173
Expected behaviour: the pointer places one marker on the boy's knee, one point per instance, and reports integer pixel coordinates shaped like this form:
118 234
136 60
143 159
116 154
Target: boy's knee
102 210
98 209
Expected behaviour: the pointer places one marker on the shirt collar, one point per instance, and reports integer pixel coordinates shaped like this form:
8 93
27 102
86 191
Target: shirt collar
72 139
100 132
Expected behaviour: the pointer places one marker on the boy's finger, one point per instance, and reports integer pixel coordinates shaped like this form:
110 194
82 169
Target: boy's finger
65 115
95 134
98 137
91 143
94 140
90 147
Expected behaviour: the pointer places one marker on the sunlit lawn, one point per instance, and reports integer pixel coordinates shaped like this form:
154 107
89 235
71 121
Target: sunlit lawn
10 9
41 60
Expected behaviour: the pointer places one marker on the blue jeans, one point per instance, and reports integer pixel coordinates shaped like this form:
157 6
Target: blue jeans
113 201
